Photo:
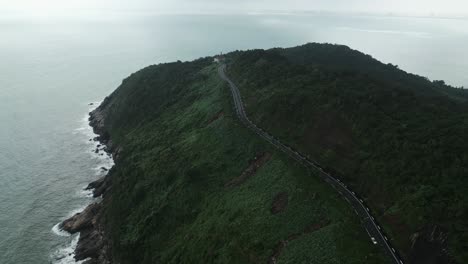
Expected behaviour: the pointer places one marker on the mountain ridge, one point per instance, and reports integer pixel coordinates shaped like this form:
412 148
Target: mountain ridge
178 145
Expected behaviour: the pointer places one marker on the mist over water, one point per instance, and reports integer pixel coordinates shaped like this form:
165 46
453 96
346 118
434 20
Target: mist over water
50 71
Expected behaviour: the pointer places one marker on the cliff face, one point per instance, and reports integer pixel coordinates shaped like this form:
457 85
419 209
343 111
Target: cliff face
94 246
192 185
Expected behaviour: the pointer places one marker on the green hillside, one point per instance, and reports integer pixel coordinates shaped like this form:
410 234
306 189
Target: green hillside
398 139
192 185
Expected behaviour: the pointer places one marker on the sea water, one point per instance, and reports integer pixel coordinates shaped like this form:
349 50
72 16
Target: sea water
52 69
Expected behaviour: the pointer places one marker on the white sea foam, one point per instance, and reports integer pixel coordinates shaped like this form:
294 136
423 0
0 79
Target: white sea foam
86 193
103 162
66 254
60 232
103 158
74 212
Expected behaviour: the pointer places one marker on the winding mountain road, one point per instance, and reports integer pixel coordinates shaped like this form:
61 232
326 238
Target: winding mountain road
373 229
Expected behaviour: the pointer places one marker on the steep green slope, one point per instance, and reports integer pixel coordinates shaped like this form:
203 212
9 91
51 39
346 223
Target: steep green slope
192 185
398 139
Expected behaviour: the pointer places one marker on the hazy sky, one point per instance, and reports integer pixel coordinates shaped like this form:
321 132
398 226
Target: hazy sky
183 6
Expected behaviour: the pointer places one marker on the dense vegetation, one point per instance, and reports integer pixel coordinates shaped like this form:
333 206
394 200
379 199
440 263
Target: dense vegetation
192 185
398 139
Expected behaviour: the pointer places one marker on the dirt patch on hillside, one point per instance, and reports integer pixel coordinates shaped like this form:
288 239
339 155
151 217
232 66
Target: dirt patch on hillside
280 202
254 165
219 115
283 243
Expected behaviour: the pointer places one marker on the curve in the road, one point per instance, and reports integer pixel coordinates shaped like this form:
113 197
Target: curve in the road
373 229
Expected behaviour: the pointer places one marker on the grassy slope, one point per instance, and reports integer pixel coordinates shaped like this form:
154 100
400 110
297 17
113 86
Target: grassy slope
399 139
169 203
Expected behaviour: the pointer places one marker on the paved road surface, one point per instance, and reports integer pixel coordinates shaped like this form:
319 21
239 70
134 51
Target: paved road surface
372 228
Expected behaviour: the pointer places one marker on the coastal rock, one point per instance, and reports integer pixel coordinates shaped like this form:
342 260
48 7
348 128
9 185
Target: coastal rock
93 246
96 120
102 188
100 260
95 184
81 221
89 245
110 144
116 153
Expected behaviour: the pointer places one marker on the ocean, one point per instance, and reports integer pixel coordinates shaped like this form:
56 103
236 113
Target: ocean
52 69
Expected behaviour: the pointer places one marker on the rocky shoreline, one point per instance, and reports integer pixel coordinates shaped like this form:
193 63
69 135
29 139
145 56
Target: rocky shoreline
93 245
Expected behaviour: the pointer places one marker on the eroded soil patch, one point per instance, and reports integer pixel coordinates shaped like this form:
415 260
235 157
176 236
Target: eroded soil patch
280 202
254 165
219 115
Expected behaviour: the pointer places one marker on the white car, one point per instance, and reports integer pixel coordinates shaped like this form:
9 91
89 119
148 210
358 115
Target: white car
374 241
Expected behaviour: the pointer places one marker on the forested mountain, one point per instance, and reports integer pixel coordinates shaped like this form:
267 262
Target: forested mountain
397 138
192 185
